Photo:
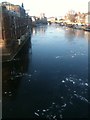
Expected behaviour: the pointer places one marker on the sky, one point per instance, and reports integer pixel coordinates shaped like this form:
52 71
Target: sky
51 7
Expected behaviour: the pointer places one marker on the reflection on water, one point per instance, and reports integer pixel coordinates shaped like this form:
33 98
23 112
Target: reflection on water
40 29
12 73
87 36
71 34
49 79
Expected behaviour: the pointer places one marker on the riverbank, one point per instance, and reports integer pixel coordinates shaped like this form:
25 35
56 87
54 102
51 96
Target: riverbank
74 26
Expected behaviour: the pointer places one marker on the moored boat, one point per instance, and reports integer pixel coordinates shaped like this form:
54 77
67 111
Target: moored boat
87 28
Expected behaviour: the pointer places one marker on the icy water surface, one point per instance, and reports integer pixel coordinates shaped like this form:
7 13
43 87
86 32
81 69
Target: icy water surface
49 79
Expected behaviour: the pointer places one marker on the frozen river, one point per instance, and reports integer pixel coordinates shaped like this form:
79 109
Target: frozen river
50 80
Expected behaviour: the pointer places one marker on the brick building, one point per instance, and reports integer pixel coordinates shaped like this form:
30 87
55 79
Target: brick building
15 8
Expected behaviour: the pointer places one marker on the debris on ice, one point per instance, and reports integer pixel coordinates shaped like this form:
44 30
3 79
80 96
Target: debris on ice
36 114
57 57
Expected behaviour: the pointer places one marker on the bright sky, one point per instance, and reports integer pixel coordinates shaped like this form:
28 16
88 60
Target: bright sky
52 7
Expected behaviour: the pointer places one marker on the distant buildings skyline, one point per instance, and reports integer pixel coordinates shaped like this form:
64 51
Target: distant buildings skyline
52 8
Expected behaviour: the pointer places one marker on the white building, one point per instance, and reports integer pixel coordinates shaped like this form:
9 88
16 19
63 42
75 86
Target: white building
89 12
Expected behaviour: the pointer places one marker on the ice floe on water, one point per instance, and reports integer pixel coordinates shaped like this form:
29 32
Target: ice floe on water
5 92
16 59
30 75
54 117
8 93
64 105
20 75
36 114
44 110
75 89
81 98
53 111
72 56
47 109
74 53
67 79
71 103
35 71
62 97
75 81
61 116
75 85
63 81
38 110
57 57
86 84
80 79
53 103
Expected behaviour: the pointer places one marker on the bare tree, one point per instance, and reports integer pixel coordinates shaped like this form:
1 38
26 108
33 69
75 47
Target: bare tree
71 15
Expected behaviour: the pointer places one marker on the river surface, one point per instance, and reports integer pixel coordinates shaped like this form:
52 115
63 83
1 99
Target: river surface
50 78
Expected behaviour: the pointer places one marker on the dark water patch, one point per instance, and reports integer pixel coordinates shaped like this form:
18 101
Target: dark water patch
50 79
